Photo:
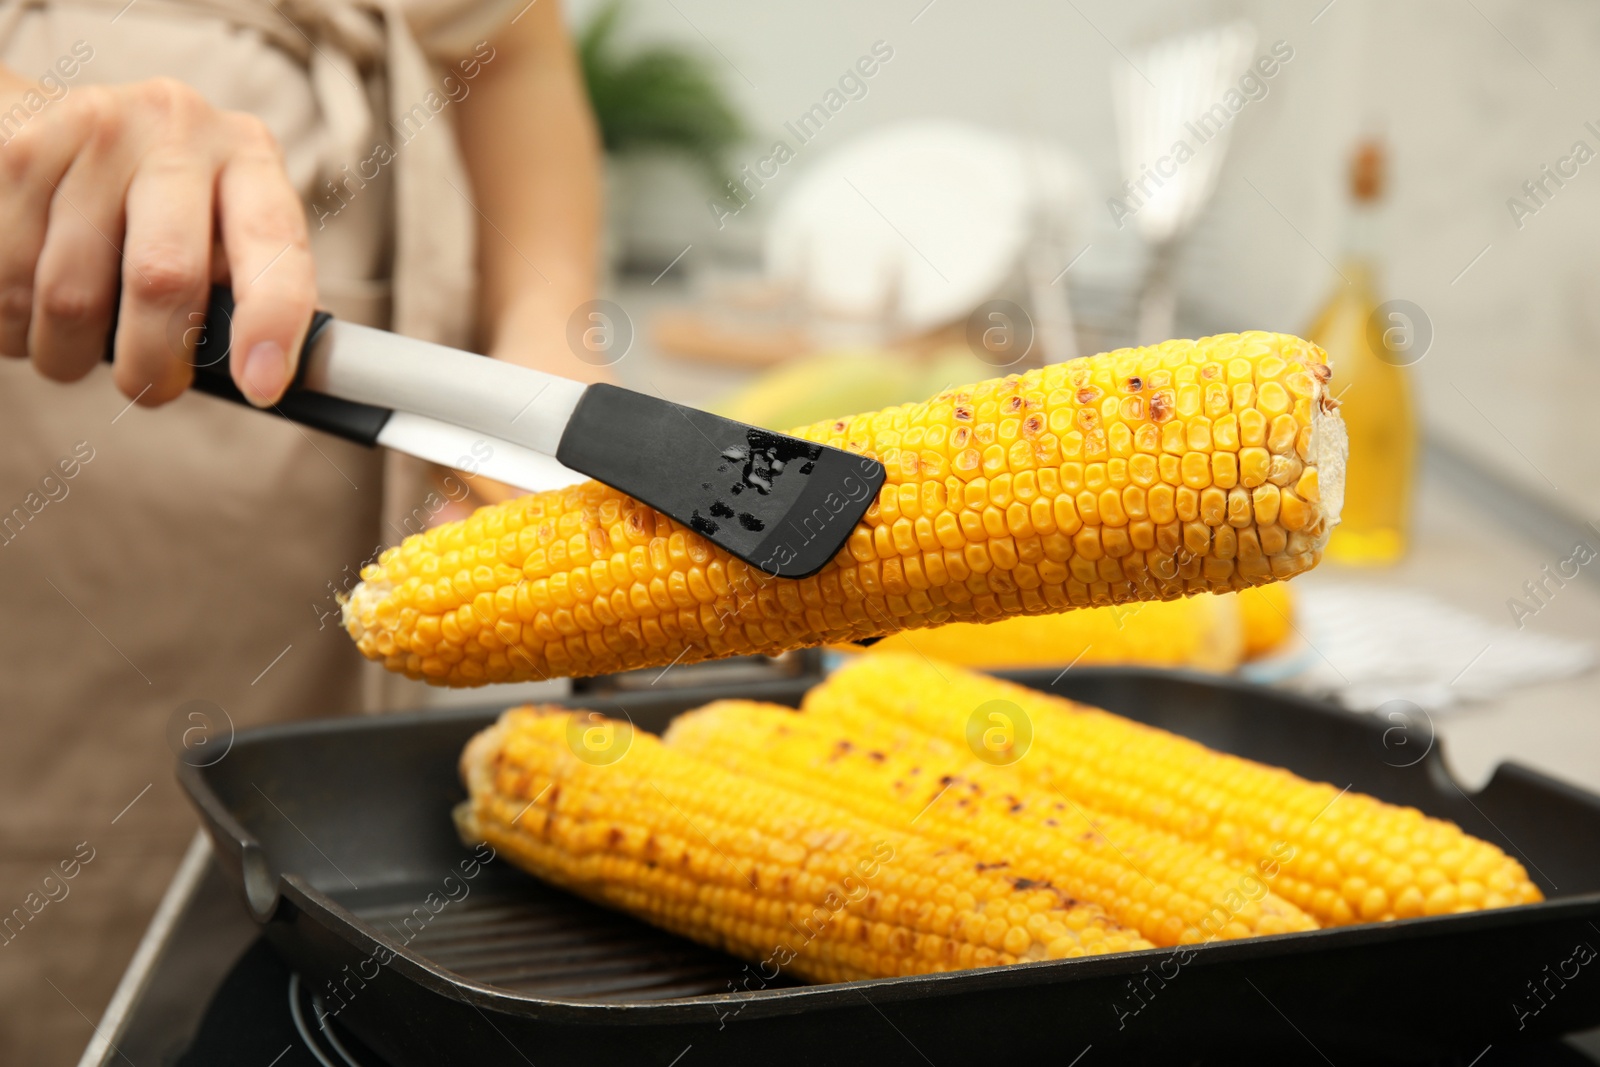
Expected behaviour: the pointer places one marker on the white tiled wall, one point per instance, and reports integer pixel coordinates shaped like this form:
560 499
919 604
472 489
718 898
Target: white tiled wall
1473 95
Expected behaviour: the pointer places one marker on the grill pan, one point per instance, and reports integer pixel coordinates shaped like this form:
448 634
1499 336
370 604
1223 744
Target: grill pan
336 832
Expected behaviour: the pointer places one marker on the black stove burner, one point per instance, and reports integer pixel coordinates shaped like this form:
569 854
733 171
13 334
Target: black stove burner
261 1011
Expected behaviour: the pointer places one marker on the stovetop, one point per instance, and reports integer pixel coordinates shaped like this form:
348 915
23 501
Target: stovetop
205 990
261 1011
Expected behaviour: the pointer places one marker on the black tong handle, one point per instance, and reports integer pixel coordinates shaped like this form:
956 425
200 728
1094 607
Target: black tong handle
212 340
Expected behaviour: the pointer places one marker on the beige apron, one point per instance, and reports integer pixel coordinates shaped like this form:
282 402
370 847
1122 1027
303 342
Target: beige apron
194 551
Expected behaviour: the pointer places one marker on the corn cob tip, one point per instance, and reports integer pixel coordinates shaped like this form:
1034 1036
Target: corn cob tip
1330 449
478 755
466 823
358 608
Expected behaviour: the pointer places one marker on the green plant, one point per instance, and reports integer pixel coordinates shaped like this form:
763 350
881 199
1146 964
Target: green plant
658 96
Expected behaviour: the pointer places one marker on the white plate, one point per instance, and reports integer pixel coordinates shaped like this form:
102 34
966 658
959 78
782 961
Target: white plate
922 219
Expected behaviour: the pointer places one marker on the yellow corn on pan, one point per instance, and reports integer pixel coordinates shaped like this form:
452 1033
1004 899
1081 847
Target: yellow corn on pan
431 952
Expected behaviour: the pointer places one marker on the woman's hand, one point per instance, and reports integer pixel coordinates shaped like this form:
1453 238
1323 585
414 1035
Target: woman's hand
131 200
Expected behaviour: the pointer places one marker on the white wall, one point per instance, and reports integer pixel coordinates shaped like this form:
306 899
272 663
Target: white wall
1460 89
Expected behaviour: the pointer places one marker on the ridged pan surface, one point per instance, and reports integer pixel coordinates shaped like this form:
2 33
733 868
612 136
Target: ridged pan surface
518 934
338 833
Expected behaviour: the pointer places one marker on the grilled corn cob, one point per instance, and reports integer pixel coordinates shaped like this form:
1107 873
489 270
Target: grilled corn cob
764 873
1141 474
1344 857
1202 632
1171 891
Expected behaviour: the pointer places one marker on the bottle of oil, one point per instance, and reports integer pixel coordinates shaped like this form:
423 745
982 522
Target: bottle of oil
1368 349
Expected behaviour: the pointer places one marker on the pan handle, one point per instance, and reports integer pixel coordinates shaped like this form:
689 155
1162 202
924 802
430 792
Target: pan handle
212 341
239 855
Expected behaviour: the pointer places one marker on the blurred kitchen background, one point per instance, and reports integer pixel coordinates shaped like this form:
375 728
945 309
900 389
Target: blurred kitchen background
950 204
1471 97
